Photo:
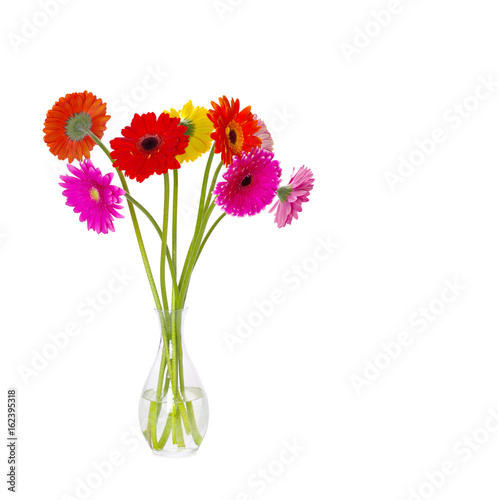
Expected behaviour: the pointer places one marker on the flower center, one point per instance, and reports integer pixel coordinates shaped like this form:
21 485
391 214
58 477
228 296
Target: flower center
246 181
94 194
148 143
77 125
235 136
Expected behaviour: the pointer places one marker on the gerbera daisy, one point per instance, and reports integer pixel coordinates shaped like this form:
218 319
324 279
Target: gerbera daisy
93 196
234 130
291 197
149 146
67 121
199 129
264 134
250 184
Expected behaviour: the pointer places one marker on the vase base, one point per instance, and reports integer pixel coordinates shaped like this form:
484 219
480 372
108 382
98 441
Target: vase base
175 453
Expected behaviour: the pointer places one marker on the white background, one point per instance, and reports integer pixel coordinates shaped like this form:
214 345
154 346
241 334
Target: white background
293 379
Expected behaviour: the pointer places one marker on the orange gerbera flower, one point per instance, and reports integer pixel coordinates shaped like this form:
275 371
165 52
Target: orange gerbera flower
67 122
233 129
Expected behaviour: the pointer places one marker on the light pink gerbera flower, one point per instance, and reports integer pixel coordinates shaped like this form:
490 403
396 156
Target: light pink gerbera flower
250 184
264 134
93 196
291 197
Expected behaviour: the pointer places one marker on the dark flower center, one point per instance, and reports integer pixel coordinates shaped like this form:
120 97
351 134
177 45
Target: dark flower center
232 136
246 181
149 143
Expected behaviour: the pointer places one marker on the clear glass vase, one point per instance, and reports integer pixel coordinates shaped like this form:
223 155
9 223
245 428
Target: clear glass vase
174 410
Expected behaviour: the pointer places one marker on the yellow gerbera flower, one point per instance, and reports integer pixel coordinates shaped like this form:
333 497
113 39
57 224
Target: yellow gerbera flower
199 129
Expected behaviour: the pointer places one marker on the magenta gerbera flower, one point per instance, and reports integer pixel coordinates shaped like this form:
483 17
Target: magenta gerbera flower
264 134
93 196
291 197
250 184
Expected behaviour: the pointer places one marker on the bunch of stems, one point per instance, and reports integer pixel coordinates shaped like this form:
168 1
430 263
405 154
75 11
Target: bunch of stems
181 414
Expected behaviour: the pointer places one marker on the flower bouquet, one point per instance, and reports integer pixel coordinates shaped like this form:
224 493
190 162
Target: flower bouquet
173 407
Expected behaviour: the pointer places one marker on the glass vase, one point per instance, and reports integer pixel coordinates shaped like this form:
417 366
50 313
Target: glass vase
174 410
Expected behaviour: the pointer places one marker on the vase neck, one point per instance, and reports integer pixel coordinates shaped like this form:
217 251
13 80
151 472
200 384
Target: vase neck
176 315
171 322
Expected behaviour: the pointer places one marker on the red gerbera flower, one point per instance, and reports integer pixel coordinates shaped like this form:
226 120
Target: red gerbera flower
67 121
233 129
149 146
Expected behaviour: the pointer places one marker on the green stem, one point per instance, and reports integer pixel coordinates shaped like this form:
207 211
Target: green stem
164 242
175 424
215 223
166 385
174 368
174 225
152 424
165 360
159 232
180 355
147 214
185 418
213 184
166 432
190 262
195 431
141 244
177 427
100 143
218 220
176 294
200 214
136 227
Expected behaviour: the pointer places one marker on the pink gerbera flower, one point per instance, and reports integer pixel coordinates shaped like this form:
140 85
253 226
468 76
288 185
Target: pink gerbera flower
291 197
250 184
93 196
264 134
